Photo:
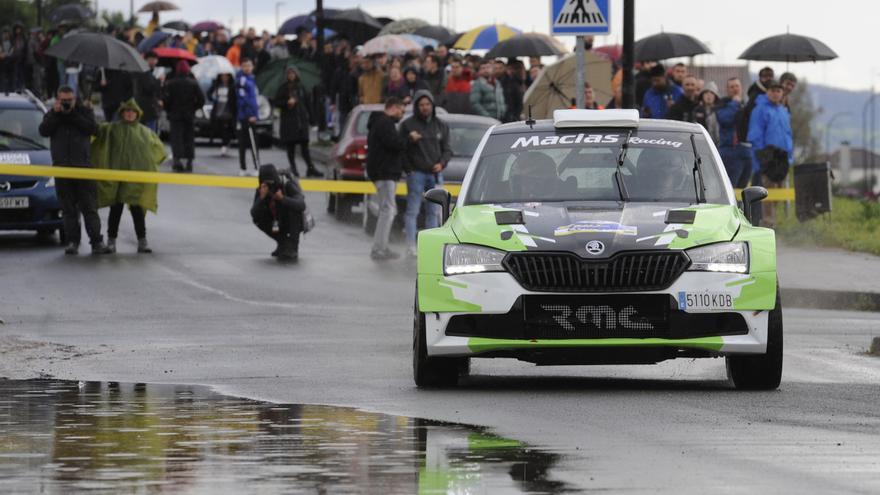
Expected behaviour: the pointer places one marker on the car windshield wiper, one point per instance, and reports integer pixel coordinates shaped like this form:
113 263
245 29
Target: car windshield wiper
23 139
618 176
699 185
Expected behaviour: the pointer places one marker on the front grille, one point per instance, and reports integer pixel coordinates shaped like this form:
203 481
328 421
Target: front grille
566 272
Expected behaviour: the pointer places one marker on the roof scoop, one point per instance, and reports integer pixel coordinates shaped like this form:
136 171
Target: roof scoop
563 119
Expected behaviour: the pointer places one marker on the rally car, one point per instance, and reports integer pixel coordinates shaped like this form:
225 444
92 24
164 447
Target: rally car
597 238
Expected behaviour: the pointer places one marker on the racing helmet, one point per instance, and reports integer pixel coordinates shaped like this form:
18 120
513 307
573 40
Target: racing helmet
533 175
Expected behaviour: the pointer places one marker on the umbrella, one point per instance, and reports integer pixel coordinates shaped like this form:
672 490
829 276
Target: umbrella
357 25
72 12
158 6
611 52
328 33
384 21
392 44
403 26
206 27
527 45
423 41
301 21
485 37
789 48
273 75
152 41
210 67
661 46
177 25
555 86
168 57
435 32
100 50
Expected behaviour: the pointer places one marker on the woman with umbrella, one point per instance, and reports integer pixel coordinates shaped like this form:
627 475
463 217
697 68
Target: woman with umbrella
292 99
222 95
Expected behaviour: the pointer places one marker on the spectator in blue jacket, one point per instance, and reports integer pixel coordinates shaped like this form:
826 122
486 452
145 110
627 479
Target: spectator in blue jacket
660 97
248 111
736 155
770 125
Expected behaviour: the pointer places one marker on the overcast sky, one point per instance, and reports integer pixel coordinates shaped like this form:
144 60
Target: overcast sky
727 27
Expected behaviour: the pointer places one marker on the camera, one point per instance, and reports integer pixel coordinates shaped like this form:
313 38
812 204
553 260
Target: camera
272 185
66 106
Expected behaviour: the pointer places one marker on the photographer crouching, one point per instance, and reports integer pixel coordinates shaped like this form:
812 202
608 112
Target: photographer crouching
278 211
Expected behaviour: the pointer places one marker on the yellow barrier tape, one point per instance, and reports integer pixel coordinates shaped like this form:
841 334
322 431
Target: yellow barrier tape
311 185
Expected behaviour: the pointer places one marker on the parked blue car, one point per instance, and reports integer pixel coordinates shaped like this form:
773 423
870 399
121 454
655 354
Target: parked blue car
26 203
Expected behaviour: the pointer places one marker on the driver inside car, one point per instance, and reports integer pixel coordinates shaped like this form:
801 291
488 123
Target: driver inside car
534 176
663 173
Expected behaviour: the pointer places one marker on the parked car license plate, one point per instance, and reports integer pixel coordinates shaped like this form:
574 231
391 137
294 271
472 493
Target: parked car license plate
711 301
15 202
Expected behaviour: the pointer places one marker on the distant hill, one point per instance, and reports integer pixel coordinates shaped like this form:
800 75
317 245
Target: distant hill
846 127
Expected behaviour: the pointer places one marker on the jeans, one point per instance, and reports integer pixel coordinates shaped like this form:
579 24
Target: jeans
79 197
416 184
138 217
385 195
738 164
152 125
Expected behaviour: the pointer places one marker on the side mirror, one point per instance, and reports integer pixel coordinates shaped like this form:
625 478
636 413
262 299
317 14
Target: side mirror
440 196
750 196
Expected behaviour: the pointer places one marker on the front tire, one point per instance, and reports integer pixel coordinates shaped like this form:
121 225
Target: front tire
761 372
432 372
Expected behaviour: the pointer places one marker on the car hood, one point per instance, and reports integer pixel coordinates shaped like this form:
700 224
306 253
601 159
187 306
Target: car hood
23 157
570 226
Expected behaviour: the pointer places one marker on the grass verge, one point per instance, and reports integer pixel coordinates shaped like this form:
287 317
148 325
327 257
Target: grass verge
853 225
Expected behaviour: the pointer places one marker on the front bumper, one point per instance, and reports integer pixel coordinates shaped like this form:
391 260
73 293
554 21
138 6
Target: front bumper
443 298
43 212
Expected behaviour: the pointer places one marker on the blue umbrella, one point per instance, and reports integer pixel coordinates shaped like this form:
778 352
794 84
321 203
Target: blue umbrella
153 41
301 21
328 33
421 40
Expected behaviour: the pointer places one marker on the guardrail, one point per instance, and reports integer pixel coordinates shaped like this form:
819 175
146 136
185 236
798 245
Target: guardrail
203 180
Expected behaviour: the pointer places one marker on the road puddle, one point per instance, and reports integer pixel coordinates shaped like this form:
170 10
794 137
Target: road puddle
61 436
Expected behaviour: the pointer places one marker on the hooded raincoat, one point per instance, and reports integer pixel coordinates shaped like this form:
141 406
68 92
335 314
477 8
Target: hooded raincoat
434 146
127 146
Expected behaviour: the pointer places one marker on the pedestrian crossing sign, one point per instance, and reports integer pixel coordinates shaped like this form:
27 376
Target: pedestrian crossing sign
579 17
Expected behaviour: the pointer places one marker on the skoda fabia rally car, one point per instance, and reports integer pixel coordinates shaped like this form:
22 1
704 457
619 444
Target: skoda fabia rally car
597 238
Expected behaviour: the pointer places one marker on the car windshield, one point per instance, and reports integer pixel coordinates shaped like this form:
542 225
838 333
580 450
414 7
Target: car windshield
464 139
580 166
19 129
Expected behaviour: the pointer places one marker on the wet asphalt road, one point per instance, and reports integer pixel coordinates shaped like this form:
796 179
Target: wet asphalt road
211 307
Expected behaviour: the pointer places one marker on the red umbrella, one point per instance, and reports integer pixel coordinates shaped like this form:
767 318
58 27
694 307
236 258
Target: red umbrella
168 57
611 52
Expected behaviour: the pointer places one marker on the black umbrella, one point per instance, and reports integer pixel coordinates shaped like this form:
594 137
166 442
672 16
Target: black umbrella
668 45
789 48
177 25
527 45
100 50
355 24
71 12
158 6
439 33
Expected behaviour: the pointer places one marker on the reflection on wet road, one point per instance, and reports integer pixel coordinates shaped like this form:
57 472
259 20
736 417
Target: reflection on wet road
59 436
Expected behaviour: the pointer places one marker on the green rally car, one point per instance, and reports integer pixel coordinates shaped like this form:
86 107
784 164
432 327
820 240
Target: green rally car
597 238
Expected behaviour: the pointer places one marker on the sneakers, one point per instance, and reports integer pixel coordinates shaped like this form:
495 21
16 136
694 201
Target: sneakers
143 247
313 172
411 253
384 254
101 248
189 165
224 151
242 173
111 244
177 167
71 248
287 251
252 173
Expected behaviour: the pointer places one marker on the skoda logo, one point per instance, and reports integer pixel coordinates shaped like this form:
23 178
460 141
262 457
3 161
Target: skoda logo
5 186
595 248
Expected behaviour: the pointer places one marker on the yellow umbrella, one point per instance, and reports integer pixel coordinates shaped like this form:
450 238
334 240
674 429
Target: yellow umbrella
485 37
554 87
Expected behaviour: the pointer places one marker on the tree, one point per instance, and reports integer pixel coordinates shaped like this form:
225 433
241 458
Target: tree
804 114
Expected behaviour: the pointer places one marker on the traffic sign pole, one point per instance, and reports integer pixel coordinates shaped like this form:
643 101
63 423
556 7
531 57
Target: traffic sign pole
579 81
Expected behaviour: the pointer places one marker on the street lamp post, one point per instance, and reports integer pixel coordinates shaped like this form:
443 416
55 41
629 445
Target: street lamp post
277 18
869 104
828 131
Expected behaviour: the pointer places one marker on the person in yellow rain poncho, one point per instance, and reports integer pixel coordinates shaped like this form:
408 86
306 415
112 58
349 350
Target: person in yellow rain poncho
127 145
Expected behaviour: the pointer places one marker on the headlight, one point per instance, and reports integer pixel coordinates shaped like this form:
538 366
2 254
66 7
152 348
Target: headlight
265 109
50 182
464 258
731 257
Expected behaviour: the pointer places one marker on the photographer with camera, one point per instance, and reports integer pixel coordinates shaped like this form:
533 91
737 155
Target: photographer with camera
70 125
278 210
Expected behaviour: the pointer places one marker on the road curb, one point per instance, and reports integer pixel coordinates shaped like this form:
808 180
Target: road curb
831 299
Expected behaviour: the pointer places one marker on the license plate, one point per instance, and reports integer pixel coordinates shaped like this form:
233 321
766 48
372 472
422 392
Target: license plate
705 301
15 202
